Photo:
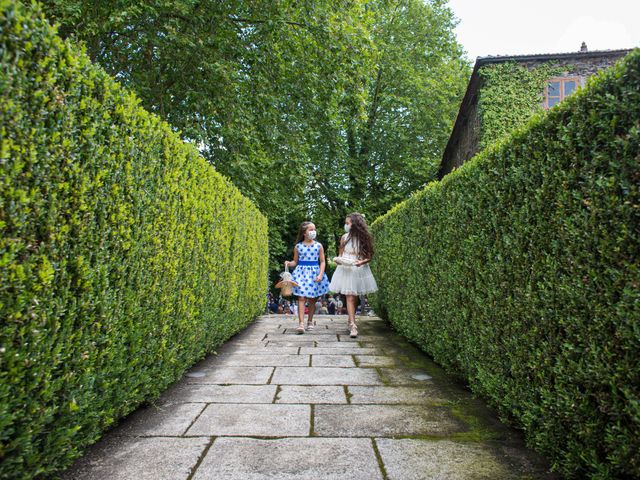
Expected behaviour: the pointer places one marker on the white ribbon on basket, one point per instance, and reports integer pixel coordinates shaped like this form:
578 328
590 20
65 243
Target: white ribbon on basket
286 282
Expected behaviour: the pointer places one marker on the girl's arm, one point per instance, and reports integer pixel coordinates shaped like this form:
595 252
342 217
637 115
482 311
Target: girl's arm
295 258
322 264
364 261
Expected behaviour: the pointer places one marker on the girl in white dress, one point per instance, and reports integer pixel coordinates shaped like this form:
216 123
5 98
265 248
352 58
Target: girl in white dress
353 275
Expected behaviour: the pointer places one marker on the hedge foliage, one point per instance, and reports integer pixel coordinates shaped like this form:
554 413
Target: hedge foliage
519 271
124 256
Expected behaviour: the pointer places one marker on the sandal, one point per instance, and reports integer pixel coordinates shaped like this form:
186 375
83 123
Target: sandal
311 325
300 329
353 331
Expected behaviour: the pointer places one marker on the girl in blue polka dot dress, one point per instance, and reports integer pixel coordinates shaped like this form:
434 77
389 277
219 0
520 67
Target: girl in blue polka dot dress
308 258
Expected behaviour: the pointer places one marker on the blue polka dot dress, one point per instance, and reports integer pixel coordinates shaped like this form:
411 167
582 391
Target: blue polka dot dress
307 270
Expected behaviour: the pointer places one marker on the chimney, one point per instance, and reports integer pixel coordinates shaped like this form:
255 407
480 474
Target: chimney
583 48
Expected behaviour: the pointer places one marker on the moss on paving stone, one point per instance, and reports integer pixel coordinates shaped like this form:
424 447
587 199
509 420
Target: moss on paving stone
383 378
462 405
470 415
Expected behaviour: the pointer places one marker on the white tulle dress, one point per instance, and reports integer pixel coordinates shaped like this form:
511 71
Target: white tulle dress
352 280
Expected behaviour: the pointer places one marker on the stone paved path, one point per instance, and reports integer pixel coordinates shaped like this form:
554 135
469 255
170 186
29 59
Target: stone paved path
276 405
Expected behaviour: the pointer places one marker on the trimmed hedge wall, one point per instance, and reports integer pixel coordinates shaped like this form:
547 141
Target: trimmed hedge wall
124 257
519 271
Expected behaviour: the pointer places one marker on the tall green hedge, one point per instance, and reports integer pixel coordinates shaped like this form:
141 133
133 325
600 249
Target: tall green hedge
124 256
519 271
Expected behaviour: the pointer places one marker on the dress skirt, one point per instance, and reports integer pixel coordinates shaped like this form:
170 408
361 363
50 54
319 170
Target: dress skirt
307 271
351 280
305 277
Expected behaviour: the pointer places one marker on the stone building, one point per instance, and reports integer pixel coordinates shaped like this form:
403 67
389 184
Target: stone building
576 67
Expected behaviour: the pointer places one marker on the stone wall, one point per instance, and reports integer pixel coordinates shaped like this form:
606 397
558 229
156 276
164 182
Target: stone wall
465 143
582 66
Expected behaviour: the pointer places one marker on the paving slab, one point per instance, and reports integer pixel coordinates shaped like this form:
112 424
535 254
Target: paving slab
347 350
261 360
319 405
264 327
160 420
337 344
250 342
375 361
256 420
402 376
332 361
361 338
307 342
118 458
338 325
396 395
315 335
344 336
219 394
292 335
234 375
311 394
262 330
256 335
325 376
290 459
264 350
384 421
409 459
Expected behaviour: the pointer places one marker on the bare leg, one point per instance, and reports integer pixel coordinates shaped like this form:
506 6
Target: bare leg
351 308
301 311
352 301
312 310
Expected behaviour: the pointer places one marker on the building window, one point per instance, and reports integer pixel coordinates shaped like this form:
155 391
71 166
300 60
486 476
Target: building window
558 89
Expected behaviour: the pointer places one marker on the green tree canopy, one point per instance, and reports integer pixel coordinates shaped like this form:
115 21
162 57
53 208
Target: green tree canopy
312 108
394 125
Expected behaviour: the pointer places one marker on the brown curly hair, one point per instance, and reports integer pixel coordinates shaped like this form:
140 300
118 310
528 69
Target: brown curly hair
360 232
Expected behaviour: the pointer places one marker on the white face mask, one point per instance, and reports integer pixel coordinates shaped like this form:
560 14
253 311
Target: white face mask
312 234
347 227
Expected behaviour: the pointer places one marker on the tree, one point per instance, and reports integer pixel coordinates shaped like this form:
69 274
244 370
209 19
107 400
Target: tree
378 155
313 108
242 80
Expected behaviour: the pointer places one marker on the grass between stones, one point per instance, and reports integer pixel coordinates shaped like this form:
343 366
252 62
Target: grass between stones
383 470
278 389
383 378
348 394
312 432
355 360
201 458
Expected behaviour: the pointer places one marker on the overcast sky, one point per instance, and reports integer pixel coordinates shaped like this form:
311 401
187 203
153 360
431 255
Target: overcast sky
516 27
